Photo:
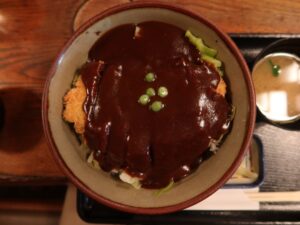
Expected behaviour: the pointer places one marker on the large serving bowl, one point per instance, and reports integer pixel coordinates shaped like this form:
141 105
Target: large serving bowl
210 176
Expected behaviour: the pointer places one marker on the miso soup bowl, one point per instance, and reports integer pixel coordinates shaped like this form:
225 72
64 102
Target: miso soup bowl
212 173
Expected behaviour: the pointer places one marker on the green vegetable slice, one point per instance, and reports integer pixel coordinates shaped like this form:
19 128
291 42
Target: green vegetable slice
217 63
207 54
198 43
275 68
165 189
220 72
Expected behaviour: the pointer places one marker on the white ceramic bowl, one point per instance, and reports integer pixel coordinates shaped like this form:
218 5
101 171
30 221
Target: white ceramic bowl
210 176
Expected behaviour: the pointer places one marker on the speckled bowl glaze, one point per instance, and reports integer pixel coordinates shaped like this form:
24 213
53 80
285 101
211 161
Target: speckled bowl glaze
210 176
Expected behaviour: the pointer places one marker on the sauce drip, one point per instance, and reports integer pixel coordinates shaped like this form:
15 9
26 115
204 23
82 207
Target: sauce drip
155 146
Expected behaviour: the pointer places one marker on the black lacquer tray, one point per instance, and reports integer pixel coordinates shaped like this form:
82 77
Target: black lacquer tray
281 170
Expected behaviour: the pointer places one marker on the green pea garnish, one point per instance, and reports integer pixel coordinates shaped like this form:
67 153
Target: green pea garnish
144 99
275 68
150 92
156 106
150 77
162 92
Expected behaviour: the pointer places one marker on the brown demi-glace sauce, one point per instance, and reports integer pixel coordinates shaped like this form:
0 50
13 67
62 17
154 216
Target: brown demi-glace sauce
155 146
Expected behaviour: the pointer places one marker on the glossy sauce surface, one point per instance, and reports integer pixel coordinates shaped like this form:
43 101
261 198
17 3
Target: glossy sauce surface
156 146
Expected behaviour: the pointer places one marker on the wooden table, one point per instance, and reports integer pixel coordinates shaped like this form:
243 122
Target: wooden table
32 33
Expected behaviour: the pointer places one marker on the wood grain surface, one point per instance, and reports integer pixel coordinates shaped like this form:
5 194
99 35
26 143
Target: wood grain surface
237 16
33 32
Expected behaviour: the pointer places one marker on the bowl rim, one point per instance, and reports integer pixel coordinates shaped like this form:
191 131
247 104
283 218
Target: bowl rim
201 196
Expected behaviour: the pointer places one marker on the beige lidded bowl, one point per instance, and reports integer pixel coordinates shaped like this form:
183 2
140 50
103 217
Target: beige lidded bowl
210 176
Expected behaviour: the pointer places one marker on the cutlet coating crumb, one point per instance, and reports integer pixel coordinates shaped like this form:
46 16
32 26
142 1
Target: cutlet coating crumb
221 88
73 111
